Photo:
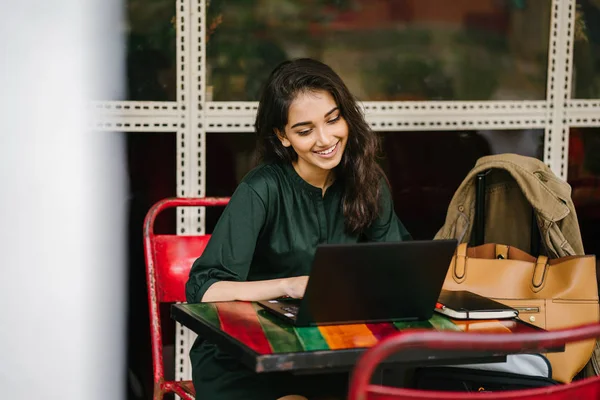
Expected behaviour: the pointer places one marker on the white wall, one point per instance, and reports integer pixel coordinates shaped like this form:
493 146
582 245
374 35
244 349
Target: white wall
62 204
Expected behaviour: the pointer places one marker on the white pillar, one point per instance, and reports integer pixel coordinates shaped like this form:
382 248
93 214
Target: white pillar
62 203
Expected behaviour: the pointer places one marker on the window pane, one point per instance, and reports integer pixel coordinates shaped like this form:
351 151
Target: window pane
151 168
584 178
229 157
586 65
385 49
150 34
423 177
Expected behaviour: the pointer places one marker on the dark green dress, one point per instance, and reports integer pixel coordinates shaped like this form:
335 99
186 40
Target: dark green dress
269 230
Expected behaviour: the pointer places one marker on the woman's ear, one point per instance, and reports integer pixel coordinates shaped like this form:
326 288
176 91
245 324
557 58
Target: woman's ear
282 138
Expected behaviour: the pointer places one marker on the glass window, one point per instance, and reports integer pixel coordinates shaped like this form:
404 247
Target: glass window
151 162
150 35
584 178
586 54
151 158
385 49
423 177
229 157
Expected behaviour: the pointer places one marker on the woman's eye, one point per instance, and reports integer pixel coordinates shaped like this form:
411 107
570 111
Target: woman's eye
304 133
334 120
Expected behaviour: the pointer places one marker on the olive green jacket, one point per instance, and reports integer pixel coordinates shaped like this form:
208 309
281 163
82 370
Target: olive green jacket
514 185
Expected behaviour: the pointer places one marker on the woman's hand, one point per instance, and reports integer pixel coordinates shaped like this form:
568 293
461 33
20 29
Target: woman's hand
295 287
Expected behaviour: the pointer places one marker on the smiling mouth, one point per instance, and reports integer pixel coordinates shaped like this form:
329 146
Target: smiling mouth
327 151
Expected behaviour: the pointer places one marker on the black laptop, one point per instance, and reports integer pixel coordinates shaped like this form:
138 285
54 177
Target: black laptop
370 282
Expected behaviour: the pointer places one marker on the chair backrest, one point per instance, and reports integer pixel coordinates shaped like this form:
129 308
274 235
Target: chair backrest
168 262
173 258
538 342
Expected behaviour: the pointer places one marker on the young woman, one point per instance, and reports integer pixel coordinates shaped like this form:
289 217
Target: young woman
319 183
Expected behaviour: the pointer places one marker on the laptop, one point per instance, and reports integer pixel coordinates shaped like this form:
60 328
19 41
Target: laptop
369 282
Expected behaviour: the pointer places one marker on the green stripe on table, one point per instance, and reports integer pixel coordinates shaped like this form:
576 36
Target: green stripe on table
311 338
281 336
442 323
402 325
206 311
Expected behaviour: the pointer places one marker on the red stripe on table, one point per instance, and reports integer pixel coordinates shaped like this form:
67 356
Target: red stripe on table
382 330
239 320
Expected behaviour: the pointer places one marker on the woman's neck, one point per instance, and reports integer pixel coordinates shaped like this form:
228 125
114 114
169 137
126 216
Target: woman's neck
319 178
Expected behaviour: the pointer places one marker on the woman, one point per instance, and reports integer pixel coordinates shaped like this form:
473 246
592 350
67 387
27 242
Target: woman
319 183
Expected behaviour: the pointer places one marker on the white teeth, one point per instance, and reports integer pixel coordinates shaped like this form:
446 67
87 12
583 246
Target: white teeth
328 151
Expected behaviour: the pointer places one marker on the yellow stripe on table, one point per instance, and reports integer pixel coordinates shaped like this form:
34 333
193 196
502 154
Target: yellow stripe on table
347 336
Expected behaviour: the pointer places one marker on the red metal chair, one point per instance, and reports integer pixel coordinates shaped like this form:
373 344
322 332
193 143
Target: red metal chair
362 389
168 262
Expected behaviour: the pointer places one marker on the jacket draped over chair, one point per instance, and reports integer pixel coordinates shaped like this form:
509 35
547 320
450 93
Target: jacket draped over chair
515 185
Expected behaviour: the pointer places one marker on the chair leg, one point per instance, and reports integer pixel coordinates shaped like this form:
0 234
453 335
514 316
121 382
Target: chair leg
159 393
182 393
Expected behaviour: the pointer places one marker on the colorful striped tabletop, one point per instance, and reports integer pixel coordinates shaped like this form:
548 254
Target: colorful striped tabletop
266 343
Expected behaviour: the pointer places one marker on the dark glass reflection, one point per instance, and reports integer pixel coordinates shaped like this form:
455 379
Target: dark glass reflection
424 168
385 49
151 50
586 62
584 178
151 171
229 157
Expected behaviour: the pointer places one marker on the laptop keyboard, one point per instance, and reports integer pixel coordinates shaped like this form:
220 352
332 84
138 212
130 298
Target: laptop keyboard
291 309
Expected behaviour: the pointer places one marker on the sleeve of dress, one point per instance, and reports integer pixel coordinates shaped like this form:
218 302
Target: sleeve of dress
230 250
387 227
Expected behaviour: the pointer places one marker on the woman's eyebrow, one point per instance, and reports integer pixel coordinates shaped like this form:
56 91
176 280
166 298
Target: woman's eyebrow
308 122
300 124
331 111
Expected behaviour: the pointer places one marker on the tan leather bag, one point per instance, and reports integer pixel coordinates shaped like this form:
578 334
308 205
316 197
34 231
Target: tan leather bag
550 294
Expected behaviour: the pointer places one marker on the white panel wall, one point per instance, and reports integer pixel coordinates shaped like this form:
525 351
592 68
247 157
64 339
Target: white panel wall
62 204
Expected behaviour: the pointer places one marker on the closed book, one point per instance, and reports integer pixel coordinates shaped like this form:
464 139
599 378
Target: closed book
462 304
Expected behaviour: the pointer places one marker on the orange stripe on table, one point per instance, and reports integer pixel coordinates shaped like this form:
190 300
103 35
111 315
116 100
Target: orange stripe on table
347 336
482 326
239 320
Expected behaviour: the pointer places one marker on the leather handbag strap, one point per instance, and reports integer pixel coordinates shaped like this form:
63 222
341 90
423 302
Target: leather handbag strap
502 251
459 272
460 265
539 274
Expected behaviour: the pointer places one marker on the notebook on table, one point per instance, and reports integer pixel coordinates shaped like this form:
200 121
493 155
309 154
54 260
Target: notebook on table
370 282
462 304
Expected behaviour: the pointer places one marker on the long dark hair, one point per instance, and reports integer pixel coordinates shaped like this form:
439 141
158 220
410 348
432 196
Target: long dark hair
358 168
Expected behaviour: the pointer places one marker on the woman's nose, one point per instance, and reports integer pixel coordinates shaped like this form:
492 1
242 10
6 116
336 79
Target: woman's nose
323 136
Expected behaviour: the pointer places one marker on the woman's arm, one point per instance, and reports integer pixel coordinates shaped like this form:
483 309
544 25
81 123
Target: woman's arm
229 252
256 290
220 273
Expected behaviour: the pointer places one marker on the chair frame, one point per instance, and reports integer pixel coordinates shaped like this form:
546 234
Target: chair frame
538 342
184 389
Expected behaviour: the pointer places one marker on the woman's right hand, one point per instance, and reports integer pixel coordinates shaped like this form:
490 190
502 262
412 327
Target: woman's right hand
295 287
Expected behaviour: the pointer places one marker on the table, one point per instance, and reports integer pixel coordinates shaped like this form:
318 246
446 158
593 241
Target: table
265 343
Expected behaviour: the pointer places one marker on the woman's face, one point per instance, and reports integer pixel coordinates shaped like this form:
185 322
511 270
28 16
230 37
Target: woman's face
317 132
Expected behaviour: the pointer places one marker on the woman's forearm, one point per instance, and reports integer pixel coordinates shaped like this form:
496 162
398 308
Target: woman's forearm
245 291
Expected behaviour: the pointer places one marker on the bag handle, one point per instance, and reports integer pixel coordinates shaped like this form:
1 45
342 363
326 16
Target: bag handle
539 274
459 271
